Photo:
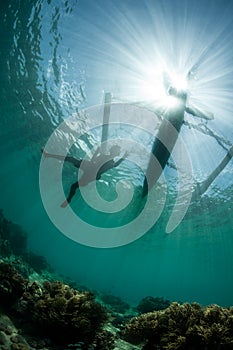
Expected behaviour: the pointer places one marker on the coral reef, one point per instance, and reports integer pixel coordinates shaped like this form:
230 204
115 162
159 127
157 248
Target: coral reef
104 340
5 247
10 338
119 321
13 248
62 312
56 316
149 304
56 310
37 262
115 303
12 238
12 285
183 326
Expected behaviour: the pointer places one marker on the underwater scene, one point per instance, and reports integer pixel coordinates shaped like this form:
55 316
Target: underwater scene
116 186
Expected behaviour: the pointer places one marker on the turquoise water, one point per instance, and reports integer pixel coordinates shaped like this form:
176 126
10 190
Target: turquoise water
57 58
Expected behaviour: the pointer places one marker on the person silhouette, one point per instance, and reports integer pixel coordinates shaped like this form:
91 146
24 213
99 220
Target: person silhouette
92 169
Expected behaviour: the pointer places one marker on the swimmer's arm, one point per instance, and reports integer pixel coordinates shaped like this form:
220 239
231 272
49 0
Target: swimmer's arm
119 161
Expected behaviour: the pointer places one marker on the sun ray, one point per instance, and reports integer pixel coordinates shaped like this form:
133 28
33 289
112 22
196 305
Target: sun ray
132 48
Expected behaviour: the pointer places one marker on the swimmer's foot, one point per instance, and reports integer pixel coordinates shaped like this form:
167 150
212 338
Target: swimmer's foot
64 204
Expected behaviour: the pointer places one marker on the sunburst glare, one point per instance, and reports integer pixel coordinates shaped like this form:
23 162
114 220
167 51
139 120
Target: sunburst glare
136 44
139 52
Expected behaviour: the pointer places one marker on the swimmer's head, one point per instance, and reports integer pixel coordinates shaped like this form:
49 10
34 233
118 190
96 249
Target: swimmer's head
115 151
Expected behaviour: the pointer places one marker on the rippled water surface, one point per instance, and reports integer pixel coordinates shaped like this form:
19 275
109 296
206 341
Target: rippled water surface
58 58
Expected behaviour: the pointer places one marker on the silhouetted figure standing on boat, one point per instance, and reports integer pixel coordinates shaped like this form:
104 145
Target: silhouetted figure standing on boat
92 169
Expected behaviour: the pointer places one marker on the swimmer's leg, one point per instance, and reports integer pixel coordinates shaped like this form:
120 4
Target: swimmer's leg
73 189
74 161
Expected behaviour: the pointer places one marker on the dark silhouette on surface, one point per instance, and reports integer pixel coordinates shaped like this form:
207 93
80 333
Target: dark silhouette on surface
92 169
165 140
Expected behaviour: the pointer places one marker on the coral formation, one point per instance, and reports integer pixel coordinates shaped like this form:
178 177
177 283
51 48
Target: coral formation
183 326
115 303
149 304
37 262
10 338
62 312
56 310
104 340
5 247
119 321
12 238
12 285
13 248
